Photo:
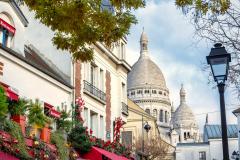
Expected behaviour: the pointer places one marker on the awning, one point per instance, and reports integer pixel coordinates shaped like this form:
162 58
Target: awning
7 156
52 112
12 95
97 154
7 26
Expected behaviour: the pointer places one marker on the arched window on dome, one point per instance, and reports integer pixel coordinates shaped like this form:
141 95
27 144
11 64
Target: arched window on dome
166 117
154 91
147 111
161 116
155 113
146 91
7 29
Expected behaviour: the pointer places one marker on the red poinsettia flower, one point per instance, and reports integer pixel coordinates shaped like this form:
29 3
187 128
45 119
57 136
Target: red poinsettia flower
91 132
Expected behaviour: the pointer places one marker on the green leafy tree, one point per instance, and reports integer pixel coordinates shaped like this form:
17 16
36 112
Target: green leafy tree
79 139
201 7
217 21
78 24
3 104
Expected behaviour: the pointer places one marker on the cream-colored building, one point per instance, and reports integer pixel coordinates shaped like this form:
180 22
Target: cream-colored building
134 128
102 84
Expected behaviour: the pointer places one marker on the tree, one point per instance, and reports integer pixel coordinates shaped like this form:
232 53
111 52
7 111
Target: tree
78 24
79 138
219 24
154 147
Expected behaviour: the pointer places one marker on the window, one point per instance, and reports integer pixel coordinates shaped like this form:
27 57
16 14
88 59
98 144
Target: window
164 94
154 91
185 135
154 113
92 74
101 82
188 134
86 116
132 93
7 30
166 117
123 91
146 91
122 51
147 111
5 37
101 127
127 138
94 123
139 92
161 116
160 92
144 46
202 155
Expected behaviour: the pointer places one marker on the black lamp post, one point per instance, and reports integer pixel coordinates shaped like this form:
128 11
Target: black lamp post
219 60
147 127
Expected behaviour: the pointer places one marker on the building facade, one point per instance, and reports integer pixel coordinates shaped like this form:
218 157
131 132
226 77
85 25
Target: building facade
24 70
211 148
102 84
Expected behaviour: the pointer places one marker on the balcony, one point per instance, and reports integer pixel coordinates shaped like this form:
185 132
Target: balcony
94 91
124 109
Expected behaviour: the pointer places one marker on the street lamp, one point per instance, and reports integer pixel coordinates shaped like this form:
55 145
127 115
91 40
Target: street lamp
147 127
235 155
219 60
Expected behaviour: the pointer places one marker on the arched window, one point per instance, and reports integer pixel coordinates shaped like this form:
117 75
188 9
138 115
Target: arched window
154 113
147 111
166 117
161 116
7 29
185 135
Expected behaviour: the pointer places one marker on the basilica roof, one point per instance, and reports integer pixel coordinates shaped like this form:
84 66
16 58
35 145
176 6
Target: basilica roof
145 72
183 115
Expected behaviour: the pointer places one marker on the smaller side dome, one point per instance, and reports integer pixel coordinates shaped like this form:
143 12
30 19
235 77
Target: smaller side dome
183 115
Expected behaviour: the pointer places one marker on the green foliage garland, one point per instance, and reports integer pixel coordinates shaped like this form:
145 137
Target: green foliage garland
57 138
3 104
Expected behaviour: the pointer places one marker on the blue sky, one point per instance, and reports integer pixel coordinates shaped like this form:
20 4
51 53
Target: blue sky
173 46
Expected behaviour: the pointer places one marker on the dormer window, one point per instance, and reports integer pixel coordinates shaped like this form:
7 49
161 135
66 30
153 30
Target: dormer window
7 31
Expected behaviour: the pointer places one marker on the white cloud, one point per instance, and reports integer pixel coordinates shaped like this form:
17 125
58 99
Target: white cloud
172 47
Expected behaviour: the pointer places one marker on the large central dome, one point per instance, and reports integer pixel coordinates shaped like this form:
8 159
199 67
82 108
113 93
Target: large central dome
145 72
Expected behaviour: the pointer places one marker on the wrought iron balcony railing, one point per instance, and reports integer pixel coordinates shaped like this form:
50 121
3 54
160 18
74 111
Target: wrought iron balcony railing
124 109
90 88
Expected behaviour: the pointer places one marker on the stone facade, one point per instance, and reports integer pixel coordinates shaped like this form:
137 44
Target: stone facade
148 89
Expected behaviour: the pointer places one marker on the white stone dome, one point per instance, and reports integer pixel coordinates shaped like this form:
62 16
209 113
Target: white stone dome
183 116
145 72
